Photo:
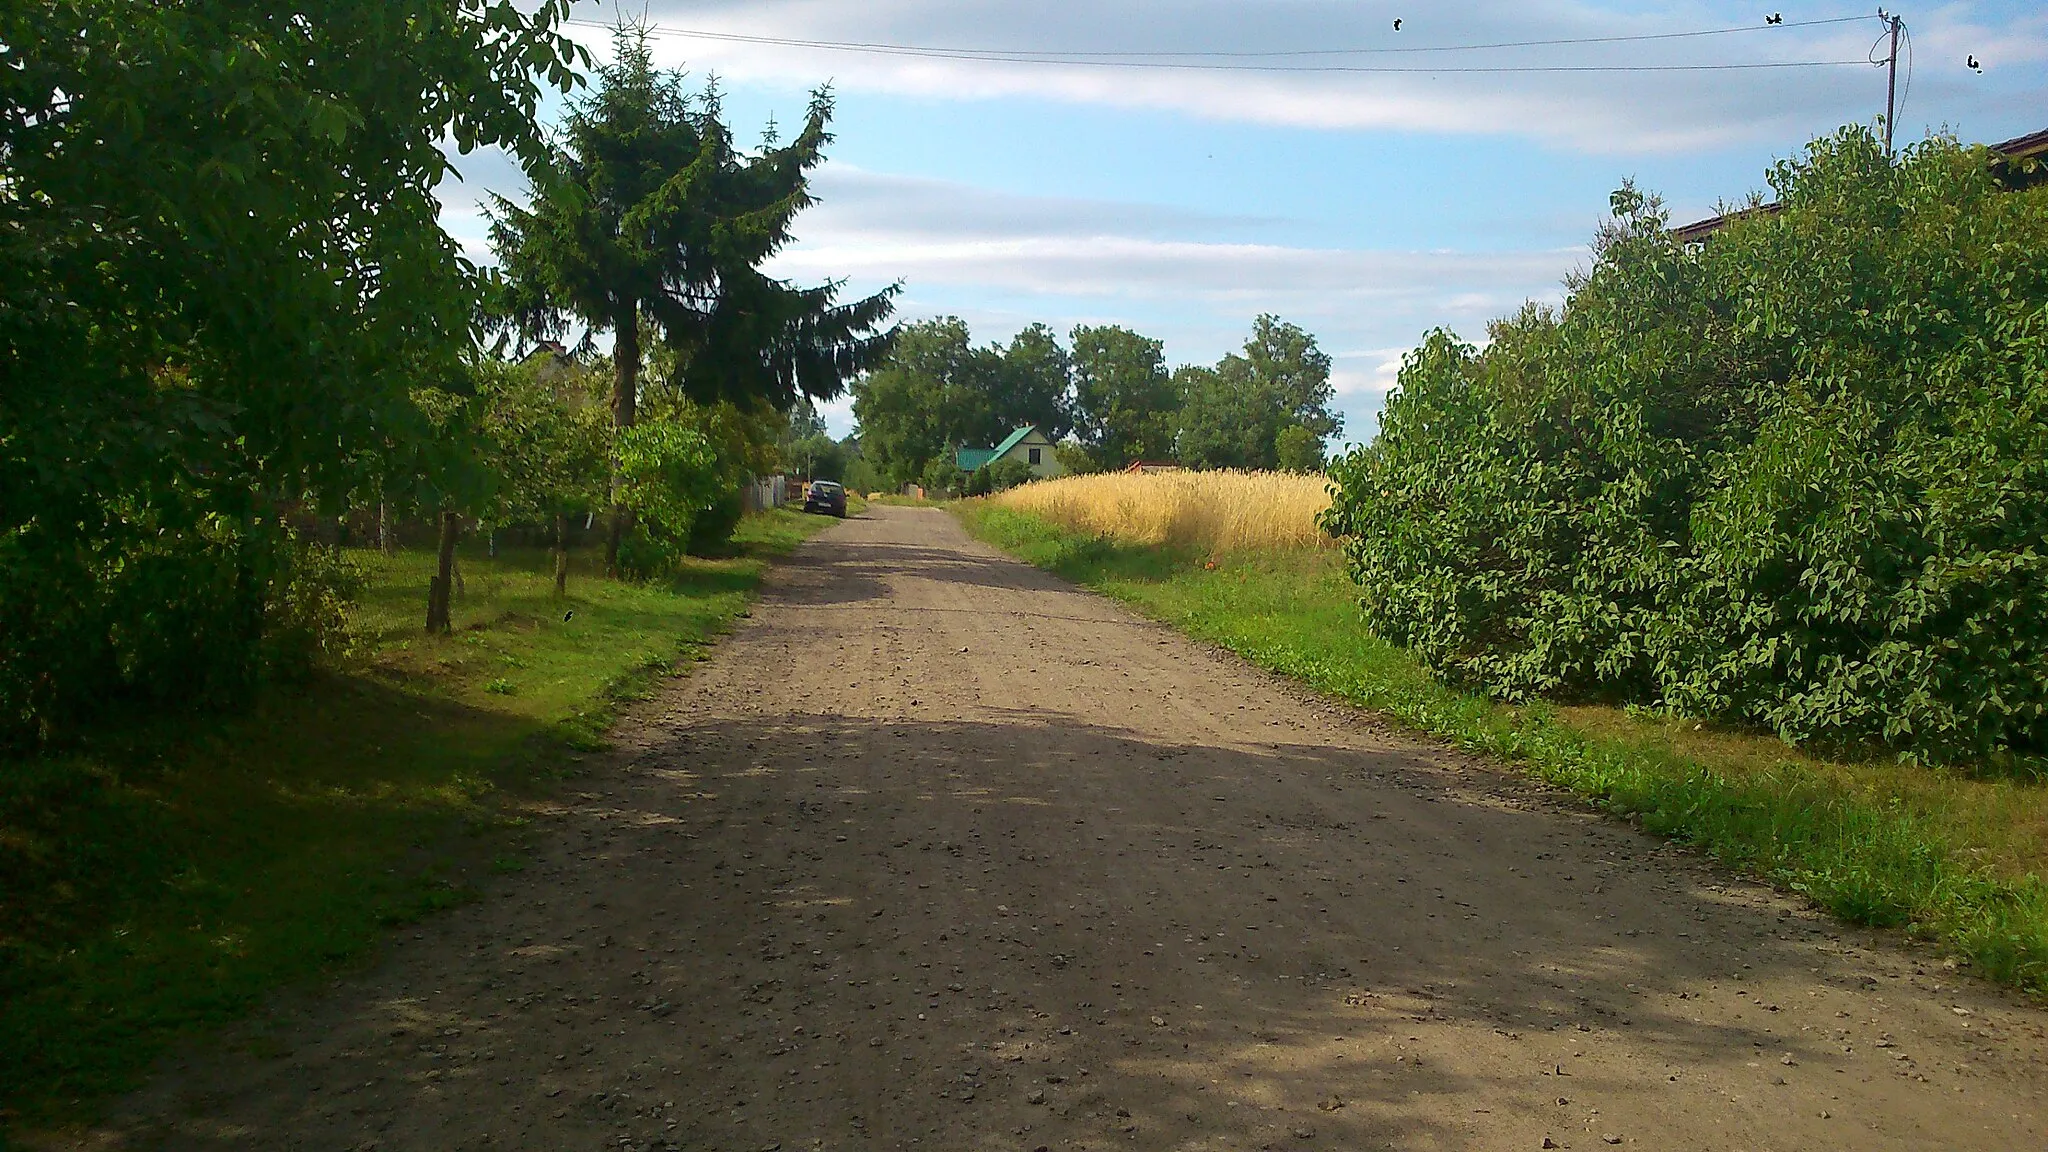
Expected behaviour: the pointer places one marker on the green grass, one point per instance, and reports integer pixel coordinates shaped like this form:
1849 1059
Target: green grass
165 876
1942 854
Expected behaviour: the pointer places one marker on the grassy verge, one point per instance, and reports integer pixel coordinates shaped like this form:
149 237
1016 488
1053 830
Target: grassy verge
1944 855
164 877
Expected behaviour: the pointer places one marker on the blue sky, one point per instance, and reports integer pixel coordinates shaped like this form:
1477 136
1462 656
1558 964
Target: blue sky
1367 207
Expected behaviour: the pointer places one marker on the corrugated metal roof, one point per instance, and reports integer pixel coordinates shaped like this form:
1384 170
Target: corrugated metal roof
2021 147
969 459
1014 437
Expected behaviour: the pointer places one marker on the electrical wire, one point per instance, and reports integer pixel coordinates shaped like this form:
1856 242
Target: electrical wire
1341 68
1062 54
1194 60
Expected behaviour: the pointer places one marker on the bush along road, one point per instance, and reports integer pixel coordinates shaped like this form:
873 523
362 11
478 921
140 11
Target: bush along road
940 852
172 873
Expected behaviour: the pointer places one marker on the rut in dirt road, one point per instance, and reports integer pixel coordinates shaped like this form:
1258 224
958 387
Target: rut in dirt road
940 853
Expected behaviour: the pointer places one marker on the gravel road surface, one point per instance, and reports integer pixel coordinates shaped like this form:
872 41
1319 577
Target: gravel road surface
940 853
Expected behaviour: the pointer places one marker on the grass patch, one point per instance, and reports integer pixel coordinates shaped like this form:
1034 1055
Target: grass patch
1944 855
163 877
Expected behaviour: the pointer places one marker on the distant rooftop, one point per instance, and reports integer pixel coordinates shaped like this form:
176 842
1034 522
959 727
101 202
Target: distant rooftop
972 459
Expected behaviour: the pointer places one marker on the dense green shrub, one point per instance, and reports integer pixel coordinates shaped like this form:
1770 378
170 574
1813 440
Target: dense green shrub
1075 458
998 476
668 476
1796 475
645 555
1007 474
942 478
1298 449
711 532
187 616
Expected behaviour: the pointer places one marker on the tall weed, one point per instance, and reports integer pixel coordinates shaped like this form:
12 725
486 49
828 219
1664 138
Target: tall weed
158 614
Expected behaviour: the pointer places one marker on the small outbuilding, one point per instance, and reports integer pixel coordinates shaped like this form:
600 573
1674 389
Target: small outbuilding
1026 444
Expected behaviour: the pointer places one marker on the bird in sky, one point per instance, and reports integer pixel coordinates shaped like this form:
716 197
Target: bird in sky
1397 24
1775 18
1974 65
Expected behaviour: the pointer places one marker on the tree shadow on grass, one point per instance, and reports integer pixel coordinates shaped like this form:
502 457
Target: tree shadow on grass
168 870
165 878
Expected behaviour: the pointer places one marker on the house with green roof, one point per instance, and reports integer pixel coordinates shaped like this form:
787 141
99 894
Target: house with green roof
1027 444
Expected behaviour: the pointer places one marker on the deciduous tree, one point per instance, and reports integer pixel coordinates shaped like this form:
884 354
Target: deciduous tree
1124 401
935 392
1035 385
1235 414
222 275
547 440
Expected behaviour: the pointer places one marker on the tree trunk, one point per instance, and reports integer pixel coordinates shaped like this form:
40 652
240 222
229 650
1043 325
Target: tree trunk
437 592
561 554
625 406
384 543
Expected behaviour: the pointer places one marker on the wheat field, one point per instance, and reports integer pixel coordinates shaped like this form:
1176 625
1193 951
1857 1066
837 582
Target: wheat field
1214 511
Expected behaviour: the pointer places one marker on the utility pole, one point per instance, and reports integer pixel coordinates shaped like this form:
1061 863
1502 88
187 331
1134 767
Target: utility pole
1891 84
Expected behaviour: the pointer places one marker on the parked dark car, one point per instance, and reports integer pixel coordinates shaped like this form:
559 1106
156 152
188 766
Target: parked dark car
825 496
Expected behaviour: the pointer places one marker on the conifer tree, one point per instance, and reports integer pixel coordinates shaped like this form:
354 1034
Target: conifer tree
646 215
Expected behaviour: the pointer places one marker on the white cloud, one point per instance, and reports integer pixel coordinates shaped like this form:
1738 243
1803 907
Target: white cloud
1367 374
851 199
1603 111
1136 266
838 415
874 227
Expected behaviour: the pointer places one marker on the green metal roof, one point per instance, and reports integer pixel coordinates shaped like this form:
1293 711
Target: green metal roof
972 459
1010 443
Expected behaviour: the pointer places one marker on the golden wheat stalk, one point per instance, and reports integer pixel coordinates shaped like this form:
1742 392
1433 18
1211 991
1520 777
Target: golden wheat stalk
1217 511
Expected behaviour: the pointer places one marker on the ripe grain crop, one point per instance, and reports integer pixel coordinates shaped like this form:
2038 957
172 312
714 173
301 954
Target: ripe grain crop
1214 511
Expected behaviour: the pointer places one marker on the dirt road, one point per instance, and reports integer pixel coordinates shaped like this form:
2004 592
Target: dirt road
940 853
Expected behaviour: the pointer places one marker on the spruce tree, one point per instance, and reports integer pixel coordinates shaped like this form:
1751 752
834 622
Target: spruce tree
645 215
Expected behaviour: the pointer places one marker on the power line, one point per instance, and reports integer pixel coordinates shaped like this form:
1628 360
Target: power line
1063 54
1196 60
